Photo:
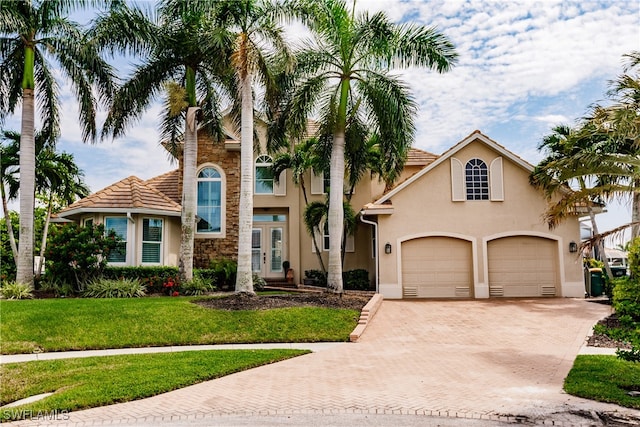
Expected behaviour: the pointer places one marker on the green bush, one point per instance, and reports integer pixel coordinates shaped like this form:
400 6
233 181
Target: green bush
626 298
258 283
114 288
317 275
356 280
225 271
196 286
13 290
78 254
153 278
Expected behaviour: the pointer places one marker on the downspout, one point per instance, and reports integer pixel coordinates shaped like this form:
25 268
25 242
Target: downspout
375 231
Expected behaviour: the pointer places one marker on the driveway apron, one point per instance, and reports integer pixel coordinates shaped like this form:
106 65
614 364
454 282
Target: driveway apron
490 359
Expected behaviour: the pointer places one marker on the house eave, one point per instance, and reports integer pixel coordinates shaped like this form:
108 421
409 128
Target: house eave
374 210
143 211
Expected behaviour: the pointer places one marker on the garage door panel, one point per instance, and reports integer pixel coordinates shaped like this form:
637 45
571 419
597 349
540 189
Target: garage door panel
436 267
523 266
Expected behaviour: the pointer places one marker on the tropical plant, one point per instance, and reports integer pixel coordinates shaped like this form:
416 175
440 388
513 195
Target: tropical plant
32 32
345 78
565 149
197 286
180 46
257 40
14 290
78 254
114 288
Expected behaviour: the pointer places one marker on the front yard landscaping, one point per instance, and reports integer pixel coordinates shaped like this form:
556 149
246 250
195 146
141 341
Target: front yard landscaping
81 324
98 381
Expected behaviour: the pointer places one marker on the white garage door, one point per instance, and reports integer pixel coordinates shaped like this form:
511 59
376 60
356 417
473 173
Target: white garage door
436 267
523 266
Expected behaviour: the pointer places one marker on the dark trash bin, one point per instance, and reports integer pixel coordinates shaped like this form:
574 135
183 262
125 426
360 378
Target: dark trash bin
619 271
597 281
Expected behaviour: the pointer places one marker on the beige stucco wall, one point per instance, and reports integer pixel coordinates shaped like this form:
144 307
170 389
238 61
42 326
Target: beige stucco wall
425 208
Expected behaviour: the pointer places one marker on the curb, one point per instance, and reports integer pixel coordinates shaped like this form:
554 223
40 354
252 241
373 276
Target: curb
368 311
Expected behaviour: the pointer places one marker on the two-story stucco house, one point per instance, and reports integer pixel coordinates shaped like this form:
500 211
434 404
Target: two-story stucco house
465 224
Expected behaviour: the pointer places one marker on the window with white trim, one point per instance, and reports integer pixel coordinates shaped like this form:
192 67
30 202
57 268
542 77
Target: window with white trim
264 175
476 180
152 240
210 193
118 224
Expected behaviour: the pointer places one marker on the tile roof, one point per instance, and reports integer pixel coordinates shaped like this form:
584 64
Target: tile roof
168 184
420 157
131 193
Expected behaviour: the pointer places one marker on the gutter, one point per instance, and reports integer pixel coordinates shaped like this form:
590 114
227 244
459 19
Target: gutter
375 231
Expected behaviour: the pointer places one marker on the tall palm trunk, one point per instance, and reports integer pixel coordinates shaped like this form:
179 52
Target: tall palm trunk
635 210
189 195
7 218
244 279
45 232
336 208
24 262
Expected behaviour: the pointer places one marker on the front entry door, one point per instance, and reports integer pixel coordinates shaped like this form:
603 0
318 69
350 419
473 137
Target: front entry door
268 249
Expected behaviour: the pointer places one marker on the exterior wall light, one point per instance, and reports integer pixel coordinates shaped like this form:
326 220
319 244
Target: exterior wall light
573 247
387 248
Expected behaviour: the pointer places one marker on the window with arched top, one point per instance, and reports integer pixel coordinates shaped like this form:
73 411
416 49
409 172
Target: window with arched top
476 180
210 197
263 175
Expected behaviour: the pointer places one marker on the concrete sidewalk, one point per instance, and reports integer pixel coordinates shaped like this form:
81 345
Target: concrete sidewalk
493 361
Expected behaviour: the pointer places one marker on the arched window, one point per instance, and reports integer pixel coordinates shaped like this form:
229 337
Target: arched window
477 180
209 201
264 175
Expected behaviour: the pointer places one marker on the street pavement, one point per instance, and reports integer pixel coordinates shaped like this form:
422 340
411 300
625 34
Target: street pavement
419 363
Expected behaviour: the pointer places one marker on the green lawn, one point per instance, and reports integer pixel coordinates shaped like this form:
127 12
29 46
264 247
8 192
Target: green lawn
80 324
605 379
98 381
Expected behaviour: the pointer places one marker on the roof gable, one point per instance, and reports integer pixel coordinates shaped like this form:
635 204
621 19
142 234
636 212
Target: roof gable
473 137
128 194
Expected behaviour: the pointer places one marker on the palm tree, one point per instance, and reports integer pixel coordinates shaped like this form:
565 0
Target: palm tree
253 24
301 161
346 64
566 150
183 47
58 179
31 33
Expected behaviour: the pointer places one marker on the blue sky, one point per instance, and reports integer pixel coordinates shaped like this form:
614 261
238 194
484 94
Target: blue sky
524 67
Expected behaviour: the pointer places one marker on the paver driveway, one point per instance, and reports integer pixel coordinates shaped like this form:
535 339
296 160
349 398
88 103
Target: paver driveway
490 359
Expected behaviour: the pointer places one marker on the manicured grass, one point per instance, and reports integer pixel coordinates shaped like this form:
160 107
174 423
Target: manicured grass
81 324
605 379
98 381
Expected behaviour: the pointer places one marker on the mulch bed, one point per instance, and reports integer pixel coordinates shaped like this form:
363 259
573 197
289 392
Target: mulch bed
243 301
601 340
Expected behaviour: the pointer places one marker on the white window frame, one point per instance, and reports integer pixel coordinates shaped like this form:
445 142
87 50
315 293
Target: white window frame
125 238
223 200
159 243
482 179
263 161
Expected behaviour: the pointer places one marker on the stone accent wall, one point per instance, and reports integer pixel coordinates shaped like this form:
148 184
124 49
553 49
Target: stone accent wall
229 161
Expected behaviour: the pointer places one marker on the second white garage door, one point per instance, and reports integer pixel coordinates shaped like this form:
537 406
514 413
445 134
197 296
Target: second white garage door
437 267
523 266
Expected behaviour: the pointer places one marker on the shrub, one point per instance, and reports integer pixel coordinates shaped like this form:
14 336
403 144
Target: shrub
114 288
318 276
258 283
225 271
356 279
196 286
13 290
153 278
77 254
